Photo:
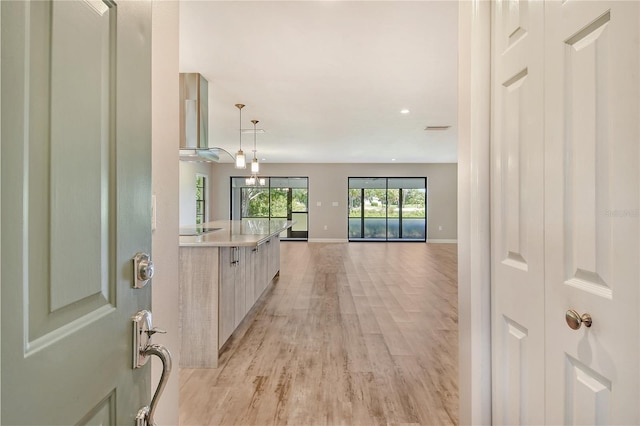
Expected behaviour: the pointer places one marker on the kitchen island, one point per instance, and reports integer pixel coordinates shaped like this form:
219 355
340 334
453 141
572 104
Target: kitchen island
225 266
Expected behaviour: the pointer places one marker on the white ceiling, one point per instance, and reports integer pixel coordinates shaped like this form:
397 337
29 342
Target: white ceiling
327 79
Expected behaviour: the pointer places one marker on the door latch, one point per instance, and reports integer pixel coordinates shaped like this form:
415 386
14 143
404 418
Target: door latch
142 331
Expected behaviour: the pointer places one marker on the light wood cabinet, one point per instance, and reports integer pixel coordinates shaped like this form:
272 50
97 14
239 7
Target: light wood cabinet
240 286
260 270
251 258
219 286
273 261
199 295
227 284
232 290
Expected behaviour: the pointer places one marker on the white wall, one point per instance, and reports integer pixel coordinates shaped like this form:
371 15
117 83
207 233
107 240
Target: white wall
165 130
188 172
328 184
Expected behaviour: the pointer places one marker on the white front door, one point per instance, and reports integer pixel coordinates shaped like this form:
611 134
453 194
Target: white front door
592 240
76 178
565 232
517 265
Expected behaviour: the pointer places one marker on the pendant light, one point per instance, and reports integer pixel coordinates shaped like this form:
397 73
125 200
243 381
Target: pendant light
253 180
255 166
241 162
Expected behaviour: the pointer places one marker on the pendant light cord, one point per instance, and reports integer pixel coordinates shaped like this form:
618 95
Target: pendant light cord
254 138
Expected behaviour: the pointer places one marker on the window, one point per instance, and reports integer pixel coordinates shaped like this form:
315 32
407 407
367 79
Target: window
280 198
201 202
387 209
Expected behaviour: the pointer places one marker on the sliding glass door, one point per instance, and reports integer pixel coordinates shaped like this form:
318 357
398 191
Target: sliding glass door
278 198
368 209
289 200
387 209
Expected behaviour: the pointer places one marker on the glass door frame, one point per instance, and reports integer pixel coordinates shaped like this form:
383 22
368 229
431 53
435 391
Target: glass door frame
362 216
290 233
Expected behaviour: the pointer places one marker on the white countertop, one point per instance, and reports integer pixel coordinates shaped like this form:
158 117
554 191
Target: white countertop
236 233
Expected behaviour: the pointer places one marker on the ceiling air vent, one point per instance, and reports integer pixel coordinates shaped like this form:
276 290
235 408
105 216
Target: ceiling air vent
428 128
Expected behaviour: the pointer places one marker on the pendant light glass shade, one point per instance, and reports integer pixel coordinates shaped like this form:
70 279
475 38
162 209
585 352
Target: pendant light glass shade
241 162
255 166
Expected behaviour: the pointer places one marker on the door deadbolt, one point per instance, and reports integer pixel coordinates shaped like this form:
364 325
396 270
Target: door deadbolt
142 269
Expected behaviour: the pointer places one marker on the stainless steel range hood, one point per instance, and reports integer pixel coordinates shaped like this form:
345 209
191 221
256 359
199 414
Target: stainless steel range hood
194 119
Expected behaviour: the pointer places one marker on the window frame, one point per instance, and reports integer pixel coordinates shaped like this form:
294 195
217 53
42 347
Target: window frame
204 200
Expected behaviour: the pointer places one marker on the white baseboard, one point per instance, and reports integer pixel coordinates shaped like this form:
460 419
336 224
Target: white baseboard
343 240
328 240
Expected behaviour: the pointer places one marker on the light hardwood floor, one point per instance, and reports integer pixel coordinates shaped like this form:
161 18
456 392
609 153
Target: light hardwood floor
359 333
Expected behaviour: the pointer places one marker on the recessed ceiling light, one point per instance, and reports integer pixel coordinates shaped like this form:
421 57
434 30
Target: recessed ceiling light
250 131
404 111
393 159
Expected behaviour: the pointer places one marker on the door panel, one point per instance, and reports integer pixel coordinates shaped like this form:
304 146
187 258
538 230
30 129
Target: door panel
515 341
80 99
76 206
375 221
393 213
517 218
298 211
68 141
587 395
355 212
591 205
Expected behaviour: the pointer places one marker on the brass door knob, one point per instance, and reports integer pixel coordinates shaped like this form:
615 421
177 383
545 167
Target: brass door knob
575 320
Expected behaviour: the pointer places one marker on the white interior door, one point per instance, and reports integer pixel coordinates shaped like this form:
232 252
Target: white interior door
591 211
517 212
76 155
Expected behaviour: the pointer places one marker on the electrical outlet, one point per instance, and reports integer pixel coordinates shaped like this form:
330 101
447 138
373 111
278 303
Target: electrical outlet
440 228
326 227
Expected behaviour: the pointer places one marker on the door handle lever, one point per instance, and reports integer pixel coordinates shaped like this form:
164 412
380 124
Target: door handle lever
145 415
155 330
143 329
